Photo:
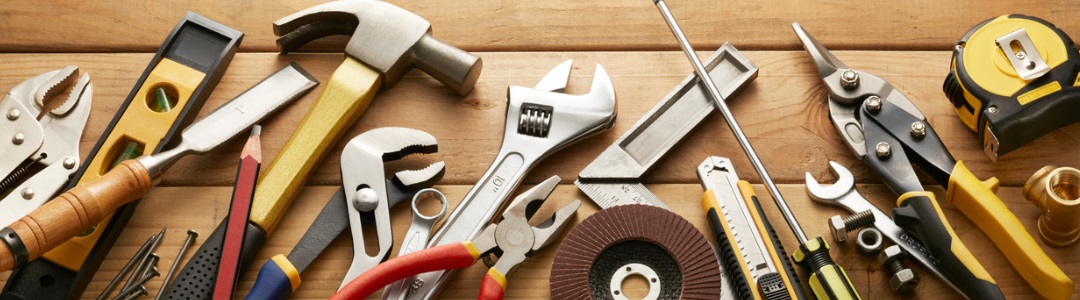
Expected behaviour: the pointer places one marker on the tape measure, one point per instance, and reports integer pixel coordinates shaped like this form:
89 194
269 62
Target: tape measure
1012 80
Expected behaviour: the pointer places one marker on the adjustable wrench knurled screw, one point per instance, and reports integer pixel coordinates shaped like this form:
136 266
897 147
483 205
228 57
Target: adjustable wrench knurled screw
841 226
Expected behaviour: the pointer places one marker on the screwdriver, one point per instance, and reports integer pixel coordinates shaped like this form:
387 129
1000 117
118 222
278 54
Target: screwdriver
827 280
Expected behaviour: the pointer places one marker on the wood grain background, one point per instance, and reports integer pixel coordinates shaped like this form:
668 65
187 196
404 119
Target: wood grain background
783 111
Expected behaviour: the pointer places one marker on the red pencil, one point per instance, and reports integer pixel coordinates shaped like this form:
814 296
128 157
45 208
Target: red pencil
246 174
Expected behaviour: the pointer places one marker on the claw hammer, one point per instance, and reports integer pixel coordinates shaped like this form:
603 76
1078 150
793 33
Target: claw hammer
386 42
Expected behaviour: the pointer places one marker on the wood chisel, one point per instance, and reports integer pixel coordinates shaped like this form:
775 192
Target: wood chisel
87 204
750 251
187 67
827 279
1013 79
246 173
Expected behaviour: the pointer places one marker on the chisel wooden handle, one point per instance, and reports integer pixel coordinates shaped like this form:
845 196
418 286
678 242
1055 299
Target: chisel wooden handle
73 212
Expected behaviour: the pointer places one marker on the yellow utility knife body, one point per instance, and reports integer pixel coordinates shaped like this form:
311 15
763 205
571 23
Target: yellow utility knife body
750 251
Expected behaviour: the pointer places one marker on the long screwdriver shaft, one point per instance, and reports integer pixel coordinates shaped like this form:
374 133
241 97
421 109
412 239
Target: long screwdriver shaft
704 78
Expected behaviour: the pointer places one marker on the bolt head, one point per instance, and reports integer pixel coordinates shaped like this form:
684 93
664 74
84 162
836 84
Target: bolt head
849 79
14 114
918 129
883 149
873 103
890 253
69 163
18 139
366 199
992 109
904 281
28 193
192 233
838 229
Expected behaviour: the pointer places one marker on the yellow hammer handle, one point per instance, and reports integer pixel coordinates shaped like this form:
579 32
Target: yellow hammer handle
77 210
976 199
346 96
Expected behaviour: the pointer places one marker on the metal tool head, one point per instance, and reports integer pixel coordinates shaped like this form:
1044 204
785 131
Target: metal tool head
514 237
550 119
385 37
845 183
62 125
362 178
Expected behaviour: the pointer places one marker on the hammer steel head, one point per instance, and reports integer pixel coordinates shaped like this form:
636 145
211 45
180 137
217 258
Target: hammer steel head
385 37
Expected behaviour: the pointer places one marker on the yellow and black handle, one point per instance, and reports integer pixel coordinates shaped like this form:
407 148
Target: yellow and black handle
783 284
992 99
827 279
920 213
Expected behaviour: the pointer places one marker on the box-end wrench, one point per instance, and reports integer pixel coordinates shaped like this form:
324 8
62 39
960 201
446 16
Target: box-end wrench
539 121
843 194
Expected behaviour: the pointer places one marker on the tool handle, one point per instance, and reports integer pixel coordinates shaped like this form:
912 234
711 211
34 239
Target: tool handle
494 285
346 96
976 199
792 287
76 210
729 254
277 280
919 212
827 279
445 257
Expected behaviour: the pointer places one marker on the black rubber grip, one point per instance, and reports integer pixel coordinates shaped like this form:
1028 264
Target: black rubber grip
919 214
728 257
196 280
789 268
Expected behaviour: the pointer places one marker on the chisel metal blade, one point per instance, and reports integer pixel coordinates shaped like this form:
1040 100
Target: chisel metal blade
614 177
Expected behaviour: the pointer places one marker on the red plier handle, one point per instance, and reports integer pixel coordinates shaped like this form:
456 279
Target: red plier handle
445 257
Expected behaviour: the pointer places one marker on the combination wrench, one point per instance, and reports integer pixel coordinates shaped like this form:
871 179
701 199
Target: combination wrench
539 121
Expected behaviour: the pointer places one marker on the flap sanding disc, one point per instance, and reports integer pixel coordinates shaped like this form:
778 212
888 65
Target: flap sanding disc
676 257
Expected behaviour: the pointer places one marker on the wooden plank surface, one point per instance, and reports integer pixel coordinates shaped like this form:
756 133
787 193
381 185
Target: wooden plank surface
783 111
558 25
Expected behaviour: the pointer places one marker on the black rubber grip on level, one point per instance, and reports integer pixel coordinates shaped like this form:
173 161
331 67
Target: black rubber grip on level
728 258
918 214
196 280
789 268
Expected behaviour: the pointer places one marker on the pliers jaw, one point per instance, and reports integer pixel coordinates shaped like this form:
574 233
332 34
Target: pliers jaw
512 239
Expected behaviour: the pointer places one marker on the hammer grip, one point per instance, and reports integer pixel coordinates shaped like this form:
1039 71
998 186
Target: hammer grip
451 66
77 210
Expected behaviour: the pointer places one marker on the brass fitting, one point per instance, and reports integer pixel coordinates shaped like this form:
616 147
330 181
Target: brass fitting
1056 191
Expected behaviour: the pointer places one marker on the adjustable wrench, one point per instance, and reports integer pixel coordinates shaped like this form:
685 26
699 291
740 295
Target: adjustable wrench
539 121
843 194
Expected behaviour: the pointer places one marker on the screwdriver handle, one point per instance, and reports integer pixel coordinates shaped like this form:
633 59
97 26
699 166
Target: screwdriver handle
792 287
919 212
827 279
976 199
72 212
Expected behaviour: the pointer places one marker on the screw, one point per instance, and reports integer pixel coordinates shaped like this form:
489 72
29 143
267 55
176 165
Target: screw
145 259
14 114
191 235
992 109
873 103
901 278
18 139
918 129
127 267
840 227
27 193
883 149
849 79
139 293
1021 54
69 163
144 267
152 273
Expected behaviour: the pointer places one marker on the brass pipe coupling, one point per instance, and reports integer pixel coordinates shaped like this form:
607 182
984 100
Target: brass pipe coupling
1056 191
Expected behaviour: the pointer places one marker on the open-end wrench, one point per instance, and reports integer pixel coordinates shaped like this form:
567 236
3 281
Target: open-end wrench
539 121
843 194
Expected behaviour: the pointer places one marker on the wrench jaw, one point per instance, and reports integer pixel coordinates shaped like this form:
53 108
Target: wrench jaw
366 189
551 121
845 183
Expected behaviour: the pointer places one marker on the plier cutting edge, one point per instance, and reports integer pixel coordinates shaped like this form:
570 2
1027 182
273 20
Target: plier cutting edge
883 128
41 148
512 240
